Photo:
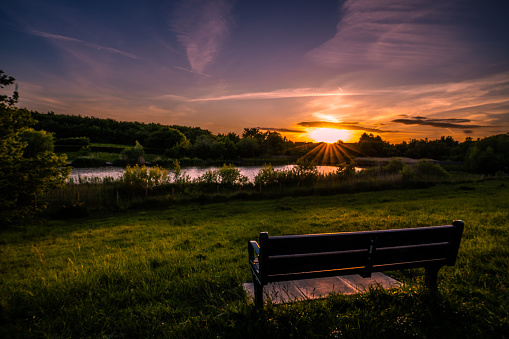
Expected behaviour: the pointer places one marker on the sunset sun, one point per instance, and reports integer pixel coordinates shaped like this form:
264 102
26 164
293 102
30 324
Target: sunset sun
329 135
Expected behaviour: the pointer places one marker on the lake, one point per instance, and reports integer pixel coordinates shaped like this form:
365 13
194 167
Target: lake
194 172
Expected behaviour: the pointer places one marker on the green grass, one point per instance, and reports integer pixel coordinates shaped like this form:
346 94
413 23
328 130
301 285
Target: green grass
178 271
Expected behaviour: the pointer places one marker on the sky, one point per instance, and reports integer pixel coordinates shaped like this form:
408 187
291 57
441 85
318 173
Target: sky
399 69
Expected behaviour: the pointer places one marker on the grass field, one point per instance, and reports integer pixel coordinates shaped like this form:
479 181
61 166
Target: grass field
178 272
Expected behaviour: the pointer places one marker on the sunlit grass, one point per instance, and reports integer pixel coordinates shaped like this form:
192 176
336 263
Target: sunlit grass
177 271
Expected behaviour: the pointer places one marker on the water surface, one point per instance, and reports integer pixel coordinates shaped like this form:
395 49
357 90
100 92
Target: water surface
194 171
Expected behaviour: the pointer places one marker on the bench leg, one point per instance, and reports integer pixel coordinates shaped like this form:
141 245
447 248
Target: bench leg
432 278
258 294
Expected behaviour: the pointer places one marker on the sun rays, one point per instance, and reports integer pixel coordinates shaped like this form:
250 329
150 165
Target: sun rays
329 135
330 154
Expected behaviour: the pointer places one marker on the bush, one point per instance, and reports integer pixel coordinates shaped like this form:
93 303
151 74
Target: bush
345 170
427 168
394 166
139 179
407 173
134 154
305 171
266 175
230 175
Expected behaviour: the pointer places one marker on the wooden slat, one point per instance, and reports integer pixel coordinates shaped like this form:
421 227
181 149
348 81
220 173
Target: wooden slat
315 262
316 243
411 253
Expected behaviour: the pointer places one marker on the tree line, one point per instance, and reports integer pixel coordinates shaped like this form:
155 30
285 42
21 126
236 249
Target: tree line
173 141
486 155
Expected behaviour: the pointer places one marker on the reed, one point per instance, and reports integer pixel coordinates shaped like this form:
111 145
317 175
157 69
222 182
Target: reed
141 185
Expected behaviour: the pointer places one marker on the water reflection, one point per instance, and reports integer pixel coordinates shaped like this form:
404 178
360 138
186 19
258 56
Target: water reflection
194 172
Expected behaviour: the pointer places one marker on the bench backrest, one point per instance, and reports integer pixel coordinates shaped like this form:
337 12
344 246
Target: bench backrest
318 255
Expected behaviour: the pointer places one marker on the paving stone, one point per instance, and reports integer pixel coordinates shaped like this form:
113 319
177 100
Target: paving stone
278 292
289 291
322 287
362 284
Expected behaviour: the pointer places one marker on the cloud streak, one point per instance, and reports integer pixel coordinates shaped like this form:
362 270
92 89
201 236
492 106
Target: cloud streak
440 123
202 27
388 35
88 44
281 130
341 125
277 94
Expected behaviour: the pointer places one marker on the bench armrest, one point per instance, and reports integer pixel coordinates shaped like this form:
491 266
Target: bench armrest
254 263
254 249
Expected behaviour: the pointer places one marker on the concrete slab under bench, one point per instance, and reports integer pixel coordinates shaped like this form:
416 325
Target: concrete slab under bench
297 290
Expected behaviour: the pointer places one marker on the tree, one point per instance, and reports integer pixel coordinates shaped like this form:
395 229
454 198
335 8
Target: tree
24 175
37 142
6 80
165 138
374 146
274 143
249 147
134 154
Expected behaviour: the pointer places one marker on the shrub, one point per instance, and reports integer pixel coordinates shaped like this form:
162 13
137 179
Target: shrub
230 175
138 179
209 177
134 154
427 168
266 175
407 173
305 170
345 170
394 166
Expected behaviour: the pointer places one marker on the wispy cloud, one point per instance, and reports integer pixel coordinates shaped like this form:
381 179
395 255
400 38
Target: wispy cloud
202 26
282 130
190 71
277 94
353 126
391 35
88 44
440 123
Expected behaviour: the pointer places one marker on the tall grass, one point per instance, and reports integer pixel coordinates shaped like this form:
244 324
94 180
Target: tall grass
156 185
177 272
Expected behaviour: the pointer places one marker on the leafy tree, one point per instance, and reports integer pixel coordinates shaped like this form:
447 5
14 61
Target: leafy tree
231 136
230 147
249 147
253 133
202 147
134 154
165 138
274 143
24 174
372 146
230 175
37 142
490 155
6 80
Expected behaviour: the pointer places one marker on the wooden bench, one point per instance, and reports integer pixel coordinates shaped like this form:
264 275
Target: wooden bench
295 257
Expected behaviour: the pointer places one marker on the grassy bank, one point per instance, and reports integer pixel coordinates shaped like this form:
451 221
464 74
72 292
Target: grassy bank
177 272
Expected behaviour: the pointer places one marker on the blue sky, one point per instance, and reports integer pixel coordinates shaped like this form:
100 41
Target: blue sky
399 69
